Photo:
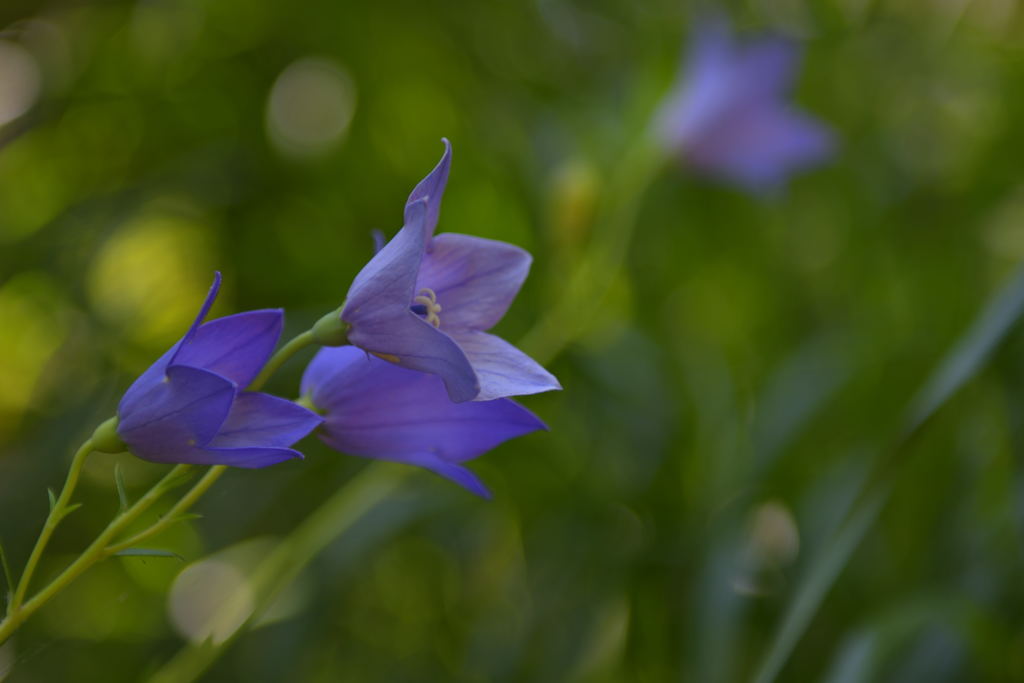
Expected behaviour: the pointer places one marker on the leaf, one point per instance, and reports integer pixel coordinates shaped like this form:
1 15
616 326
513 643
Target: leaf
970 352
181 475
822 574
68 510
7 572
960 364
148 552
122 493
53 499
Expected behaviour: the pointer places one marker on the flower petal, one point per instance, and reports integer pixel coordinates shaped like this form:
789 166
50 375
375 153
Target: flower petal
258 419
249 458
160 421
502 369
378 410
475 279
236 346
759 148
409 341
461 475
388 280
203 310
431 188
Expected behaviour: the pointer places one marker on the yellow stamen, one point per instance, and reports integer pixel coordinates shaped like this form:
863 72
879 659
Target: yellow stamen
428 299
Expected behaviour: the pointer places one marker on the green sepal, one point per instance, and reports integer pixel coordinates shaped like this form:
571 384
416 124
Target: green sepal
148 552
330 330
106 440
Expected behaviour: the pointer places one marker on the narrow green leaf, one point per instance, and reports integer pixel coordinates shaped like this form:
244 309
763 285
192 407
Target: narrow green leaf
53 498
184 517
148 552
69 509
181 478
122 493
962 362
8 578
823 573
970 352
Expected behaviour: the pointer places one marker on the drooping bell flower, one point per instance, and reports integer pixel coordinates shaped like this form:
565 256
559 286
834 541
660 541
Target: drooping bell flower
191 405
729 115
377 409
426 303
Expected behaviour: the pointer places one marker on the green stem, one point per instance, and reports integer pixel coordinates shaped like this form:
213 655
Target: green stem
96 551
57 513
579 300
278 359
104 545
175 513
329 522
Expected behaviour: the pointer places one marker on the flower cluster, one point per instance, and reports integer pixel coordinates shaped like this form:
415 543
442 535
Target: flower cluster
417 380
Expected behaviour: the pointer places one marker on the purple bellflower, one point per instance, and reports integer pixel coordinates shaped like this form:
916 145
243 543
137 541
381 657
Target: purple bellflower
426 303
729 116
190 407
379 410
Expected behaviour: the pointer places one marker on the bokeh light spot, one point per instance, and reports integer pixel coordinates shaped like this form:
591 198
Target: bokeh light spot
150 277
310 107
31 305
20 81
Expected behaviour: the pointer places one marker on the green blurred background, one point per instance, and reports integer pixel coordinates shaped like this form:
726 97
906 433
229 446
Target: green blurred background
728 392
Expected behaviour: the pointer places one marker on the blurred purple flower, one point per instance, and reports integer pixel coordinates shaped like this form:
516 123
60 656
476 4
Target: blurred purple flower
425 303
378 410
729 117
189 406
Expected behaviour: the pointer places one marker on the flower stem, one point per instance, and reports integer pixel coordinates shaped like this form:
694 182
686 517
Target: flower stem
298 343
333 519
57 512
96 551
580 297
175 513
104 545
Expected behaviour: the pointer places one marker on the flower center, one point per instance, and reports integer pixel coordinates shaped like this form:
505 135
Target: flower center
425 304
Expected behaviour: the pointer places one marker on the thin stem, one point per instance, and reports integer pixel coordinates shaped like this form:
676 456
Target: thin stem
57 513
103 546
94 553
278 359
333 519
580 298
175 513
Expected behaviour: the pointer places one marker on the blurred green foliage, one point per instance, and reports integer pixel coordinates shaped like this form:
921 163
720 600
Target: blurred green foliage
728 401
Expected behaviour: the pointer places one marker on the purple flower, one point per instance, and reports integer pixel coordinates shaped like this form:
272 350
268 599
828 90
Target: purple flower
729 117
190 407
378 410
426 303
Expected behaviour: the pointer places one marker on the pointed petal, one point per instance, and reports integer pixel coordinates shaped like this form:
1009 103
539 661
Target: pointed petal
766 67
249 458
203 310
378 410
162 420
461 475
431 188
475 279
258 419
760 147
409 341
387 281
236 346
503 370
